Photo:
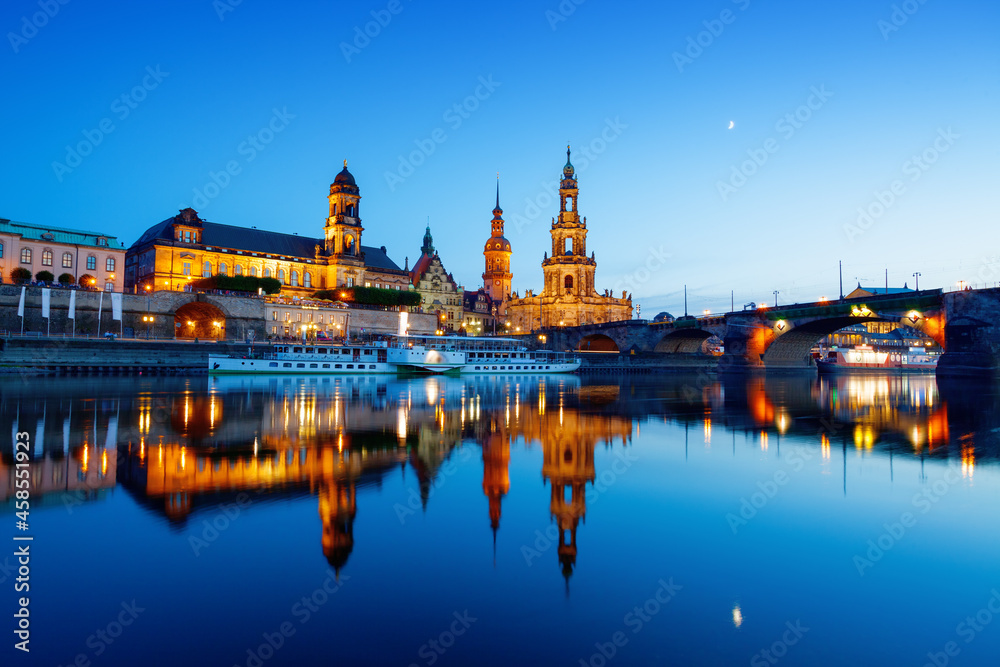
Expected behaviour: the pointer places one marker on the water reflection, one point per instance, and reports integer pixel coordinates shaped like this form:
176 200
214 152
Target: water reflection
182 445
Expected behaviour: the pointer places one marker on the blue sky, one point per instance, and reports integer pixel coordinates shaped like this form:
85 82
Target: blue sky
667 189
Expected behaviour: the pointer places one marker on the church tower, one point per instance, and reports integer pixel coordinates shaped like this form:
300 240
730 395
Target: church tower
569 272
568 465
342 233
496 478
338 506
497 277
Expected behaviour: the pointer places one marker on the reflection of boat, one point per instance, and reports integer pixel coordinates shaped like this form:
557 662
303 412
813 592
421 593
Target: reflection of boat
866 358
398 354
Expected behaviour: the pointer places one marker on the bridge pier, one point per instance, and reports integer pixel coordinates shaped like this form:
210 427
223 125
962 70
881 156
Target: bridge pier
972 333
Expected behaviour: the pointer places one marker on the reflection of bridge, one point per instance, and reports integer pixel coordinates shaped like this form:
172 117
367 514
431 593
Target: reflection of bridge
966 323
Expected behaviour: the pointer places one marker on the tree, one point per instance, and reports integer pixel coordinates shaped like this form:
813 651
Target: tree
87 280
20 275
370 295
45 276
66 279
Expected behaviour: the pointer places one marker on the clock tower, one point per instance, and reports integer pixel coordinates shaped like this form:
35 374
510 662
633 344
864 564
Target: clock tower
497 277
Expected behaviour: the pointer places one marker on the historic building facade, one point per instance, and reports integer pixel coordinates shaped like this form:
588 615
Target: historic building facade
439 292
169 255
497 251
569 296
77 252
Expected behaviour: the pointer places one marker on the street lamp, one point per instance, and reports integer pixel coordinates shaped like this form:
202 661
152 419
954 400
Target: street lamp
916 276
148 319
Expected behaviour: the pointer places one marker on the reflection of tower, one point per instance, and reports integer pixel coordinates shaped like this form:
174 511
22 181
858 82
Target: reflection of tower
337 508
496 479
568 466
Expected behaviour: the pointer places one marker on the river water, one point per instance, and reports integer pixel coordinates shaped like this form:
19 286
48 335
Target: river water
556 520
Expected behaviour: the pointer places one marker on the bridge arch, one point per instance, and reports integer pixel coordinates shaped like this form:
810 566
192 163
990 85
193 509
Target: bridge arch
598 343
199 319
793 348
683 341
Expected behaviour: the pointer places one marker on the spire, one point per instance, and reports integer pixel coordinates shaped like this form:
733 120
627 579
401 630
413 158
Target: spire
568 169
498 194
345 163
428 247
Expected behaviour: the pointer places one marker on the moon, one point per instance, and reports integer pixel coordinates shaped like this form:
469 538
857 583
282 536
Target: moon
731 125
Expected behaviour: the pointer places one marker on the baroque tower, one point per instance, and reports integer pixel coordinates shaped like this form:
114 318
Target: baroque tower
569 272
497 251
342 233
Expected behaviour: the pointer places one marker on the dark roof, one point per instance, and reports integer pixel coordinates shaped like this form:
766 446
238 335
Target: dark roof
262 241
345 177
418 270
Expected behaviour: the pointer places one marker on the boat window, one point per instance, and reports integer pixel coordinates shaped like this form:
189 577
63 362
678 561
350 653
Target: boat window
478 368
350 365
368 351
371 366
300 365
325 366
286 365
338 365
273 364
321 350
313 366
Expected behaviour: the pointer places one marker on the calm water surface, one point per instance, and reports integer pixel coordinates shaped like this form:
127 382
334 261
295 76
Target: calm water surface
505 521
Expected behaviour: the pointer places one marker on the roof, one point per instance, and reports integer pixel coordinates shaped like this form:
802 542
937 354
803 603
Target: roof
420 268
879 290
59 234
262 241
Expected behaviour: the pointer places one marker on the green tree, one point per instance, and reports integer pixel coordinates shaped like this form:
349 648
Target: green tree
66 279
20 275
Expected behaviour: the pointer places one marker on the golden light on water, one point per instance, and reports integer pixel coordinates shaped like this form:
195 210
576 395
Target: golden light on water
737 616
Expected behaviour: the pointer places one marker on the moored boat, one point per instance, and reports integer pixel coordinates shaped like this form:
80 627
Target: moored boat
866 358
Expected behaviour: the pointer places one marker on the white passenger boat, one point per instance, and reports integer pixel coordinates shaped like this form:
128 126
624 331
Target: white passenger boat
397 354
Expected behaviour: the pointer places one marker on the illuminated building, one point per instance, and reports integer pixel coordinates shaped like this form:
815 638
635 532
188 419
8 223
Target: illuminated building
569 296
173 253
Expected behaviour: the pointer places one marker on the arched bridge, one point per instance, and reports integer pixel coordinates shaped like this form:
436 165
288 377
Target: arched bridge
966 324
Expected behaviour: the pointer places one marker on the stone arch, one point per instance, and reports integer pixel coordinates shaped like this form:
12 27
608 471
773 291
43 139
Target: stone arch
598 343
682 341
199 319
793 347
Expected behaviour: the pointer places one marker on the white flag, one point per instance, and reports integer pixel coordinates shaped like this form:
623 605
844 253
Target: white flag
46 301
116 306
20 304
72 305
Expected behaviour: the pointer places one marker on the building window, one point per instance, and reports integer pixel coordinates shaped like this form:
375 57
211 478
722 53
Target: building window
91 263
568 282
281 276
206 271
267 272
223 269
367 284
67 260
350 282
109 286
274 330
187 236
288 316
187 268
109 264
1 251
298 317
46 257
101 241
238 270
274 315
307 280
25 255
295 278
253 271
